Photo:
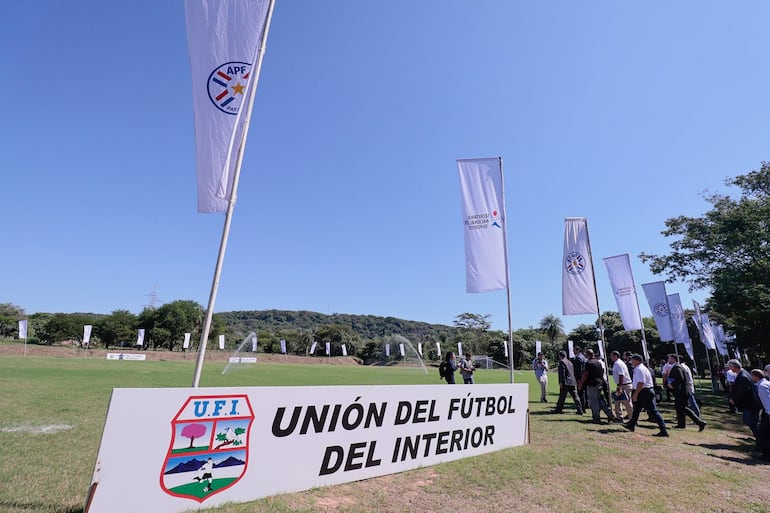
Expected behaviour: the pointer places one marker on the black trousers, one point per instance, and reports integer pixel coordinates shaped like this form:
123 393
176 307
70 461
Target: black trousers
681 400
645 400
563 391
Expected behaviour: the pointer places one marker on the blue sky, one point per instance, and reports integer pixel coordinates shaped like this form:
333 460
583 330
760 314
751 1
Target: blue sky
349 199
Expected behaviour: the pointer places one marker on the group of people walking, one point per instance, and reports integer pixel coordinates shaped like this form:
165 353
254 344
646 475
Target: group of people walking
585 379
749 393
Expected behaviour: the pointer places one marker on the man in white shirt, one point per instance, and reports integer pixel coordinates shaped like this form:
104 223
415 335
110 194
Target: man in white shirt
622 379
644 396
540 366
730 376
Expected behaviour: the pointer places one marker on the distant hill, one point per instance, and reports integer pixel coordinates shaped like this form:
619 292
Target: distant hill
368 327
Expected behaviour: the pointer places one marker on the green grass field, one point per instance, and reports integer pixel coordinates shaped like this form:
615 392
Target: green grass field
53 410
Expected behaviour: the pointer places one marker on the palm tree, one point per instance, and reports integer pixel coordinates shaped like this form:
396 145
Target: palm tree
552 326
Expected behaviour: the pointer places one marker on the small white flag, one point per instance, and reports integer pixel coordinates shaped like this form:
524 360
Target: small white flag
254 343
459 349
419 348
283 346
140 337
387 350
578 289
622 281
186 343
438 348
23 329
87 334
483 210
401 349
538 347
505 349
223 40
312 347
571 348
328 348
344 350
221 341
661 312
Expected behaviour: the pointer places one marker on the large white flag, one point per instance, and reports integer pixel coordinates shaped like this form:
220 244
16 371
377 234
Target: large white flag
186 342
661 311
23 329
679 323
708 332
624 289
221 341
140 337
719 337
223 39
578 289
283 346
483 205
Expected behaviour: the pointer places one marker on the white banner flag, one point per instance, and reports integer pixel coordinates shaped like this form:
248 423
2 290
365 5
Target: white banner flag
344 350
387 349
571 349
221 341
312 347
87 334
578 290
679 323
601 351
23 329
538 347
186 343
459 349
438 349
283 346
223 40
661 312
505 349
254 343
328 348
401 350
419 348
622 281
719 338
140 337
708 332
483 209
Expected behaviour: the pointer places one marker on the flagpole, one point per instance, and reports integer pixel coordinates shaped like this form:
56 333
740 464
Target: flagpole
507 272
598 311
231 201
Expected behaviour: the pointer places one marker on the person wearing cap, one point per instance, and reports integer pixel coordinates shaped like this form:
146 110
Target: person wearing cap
644 397
466 369
742 396
762 384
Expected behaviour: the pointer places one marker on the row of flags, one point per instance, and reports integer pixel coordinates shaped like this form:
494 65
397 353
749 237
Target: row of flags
483 211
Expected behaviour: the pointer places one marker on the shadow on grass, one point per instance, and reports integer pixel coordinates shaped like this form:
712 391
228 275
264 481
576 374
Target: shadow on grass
745 460
36 507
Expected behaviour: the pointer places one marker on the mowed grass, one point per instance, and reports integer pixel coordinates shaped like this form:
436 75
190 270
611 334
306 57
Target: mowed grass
53 410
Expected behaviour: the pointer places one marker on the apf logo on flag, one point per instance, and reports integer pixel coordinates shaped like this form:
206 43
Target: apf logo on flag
660 309
226 83
574 263
209 447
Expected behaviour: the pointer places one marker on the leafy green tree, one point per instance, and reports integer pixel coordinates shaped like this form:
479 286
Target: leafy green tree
62 326
727 250
172 320
117 329
10 315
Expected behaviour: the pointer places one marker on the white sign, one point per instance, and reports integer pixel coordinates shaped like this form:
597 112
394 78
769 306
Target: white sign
126 356
204 447
243 359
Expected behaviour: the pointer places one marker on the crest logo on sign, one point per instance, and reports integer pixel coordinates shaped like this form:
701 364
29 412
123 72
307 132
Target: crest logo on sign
209 447
574 263
660 309
227 86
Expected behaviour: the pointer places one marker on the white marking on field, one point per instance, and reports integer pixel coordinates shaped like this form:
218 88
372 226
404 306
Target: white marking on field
48 429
